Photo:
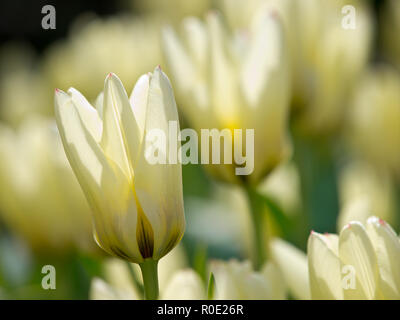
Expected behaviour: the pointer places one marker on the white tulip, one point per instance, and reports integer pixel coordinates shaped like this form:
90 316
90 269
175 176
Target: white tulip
137 207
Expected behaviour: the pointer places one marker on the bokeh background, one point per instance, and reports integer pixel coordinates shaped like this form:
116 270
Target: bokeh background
345 157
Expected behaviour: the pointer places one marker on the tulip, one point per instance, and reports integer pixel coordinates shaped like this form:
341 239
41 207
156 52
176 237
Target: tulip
235 81
293 264
236 280
137 206
363 190
23 88
374 119
97 46
363 262
326 56
40 198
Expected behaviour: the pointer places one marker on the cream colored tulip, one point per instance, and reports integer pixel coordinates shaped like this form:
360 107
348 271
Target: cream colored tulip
23 88
137 207
363 262
236 280
293 264
40 198
374 124
326 58
364 190
231 80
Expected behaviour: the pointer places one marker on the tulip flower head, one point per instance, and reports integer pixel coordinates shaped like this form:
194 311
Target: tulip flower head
236 280
137 206
40 199
234 81
363 262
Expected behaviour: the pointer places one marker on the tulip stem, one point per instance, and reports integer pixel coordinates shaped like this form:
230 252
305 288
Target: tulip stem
138 286
150 278
257 209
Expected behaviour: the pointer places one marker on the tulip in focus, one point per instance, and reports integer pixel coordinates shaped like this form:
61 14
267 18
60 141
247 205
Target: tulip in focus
363 262
137 206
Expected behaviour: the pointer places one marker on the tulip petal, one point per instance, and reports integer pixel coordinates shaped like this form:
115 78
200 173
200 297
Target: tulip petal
121 134
293 264
105 187
184 285
356 250
224 91
179 62
263 58
159 185
138 100
99 104
324 269
387 249
196 38
101 290
89 115
274 276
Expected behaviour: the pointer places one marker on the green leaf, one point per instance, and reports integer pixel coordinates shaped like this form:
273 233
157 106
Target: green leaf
211 287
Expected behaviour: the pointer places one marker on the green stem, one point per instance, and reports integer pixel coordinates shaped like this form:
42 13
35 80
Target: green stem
150 278
138 286
257 209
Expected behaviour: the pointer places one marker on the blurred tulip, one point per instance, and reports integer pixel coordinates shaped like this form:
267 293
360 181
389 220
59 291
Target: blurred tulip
236 280
293 264
23 88
127 46
40 199
326 58
234 81
365 191
360 263
137 206
374 124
